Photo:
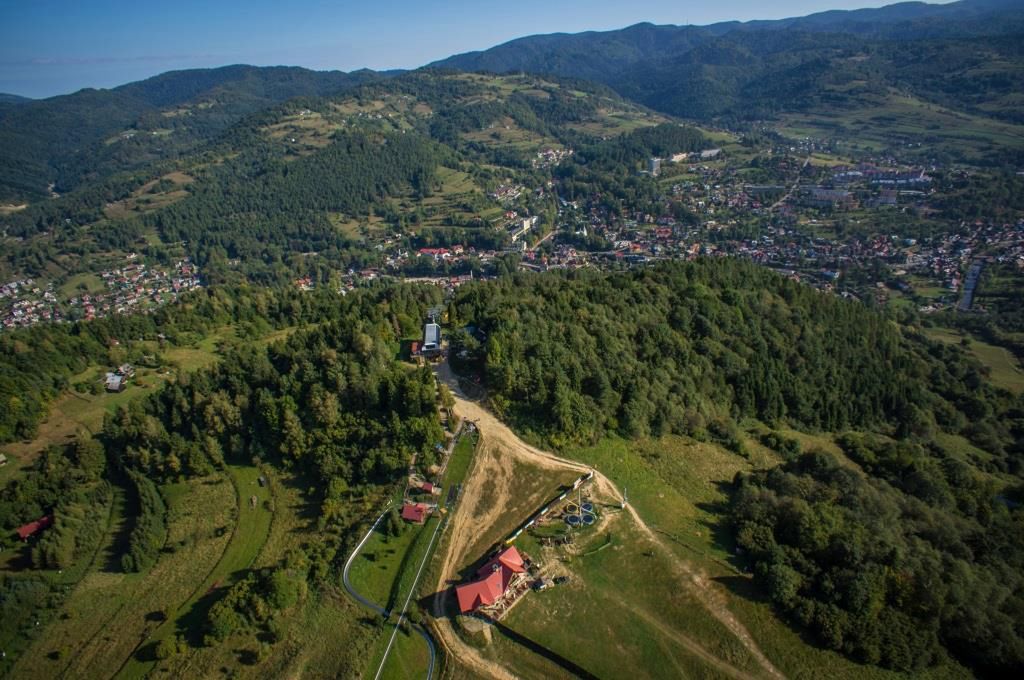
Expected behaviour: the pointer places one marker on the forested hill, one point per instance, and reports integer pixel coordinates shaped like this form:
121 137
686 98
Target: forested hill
900 553
757 69
682 347
273 188
90 134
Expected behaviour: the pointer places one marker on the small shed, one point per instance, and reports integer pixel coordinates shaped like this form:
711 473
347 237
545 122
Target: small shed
32 528
416 513
3 460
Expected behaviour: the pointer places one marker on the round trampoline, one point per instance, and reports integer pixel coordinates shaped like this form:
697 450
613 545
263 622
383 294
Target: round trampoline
588 519
588 507
572 520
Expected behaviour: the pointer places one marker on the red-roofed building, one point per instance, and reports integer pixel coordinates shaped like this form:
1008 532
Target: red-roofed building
509 558
415 512
495 577
481 593
32 528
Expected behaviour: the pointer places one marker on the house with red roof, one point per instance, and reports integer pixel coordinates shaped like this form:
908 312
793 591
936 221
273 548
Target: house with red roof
32 528
416 513
493 581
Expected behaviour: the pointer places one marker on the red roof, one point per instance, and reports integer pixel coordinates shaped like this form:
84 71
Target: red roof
427 486
495 577
415 512
508 558
482 592
33 527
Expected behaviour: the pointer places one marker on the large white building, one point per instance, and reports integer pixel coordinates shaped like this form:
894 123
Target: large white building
431 340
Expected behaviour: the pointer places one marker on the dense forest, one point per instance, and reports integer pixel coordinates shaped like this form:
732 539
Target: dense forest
37 363
92 134
834 60
915 559
678 347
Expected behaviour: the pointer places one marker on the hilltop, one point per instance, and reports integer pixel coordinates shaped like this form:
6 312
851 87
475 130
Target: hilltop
962 55
60 143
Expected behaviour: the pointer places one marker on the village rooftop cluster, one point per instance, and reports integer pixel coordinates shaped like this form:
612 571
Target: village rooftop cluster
133 287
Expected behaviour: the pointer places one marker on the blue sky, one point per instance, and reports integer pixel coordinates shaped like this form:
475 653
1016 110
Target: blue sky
50 47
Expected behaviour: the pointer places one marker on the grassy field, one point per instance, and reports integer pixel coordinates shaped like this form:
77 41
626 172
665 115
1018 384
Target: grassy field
1004 369
251 527
146 199
380 563
654 617
81 283
879 121
320 637
458 463
658 629
409 656
409 651
110 613
74 412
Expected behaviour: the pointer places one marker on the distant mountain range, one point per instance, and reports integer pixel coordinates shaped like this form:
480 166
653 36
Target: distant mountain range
12 98
759 68
965 56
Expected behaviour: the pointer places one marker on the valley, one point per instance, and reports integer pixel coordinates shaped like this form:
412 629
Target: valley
666 351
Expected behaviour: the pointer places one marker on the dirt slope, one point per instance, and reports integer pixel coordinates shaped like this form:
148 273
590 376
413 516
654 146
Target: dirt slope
498 443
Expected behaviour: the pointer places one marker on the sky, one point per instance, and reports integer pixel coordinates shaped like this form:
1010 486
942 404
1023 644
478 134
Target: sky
50 47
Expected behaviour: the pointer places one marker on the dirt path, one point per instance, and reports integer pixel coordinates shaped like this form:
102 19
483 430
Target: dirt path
495 435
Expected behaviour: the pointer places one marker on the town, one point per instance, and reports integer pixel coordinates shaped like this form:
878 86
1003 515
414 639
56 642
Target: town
134 287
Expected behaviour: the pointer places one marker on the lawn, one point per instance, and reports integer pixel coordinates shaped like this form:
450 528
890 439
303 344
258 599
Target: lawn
374 572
